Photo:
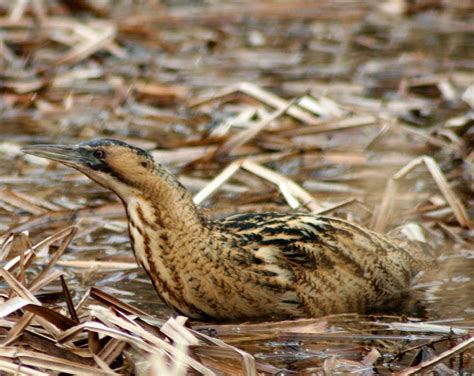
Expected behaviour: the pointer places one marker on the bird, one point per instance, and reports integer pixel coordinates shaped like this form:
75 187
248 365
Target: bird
246 266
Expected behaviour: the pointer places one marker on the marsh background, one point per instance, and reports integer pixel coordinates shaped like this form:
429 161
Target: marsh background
377 85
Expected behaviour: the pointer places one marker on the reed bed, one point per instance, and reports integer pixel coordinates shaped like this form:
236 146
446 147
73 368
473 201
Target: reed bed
361 110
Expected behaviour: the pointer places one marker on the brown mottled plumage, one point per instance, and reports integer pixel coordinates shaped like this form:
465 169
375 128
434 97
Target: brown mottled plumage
248 265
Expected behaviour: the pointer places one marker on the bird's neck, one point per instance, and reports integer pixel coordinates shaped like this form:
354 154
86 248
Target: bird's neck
161 201
164 225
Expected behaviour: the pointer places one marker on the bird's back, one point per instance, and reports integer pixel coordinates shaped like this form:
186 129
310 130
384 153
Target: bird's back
332 265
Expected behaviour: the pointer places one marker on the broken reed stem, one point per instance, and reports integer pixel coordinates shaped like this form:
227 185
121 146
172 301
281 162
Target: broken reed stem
65 243
26 294
69 302
423 366
382 215
443 185
217 182
305 198
17 329
247 134
294 194
94 41
263 96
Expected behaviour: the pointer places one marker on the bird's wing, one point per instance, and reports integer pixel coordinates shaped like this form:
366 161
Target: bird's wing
310 241
337 265
300 238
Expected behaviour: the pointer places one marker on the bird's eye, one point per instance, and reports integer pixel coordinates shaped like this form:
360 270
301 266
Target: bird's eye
99 154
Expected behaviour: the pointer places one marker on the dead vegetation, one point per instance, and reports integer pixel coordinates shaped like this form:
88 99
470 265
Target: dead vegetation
361 110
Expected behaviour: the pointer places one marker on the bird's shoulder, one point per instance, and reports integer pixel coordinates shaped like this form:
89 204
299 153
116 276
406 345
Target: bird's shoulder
292 226
302 238
310 240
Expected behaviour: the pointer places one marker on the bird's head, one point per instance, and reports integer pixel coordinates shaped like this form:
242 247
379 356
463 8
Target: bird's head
113 164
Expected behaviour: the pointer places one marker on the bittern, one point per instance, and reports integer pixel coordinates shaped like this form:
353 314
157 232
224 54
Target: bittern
245 266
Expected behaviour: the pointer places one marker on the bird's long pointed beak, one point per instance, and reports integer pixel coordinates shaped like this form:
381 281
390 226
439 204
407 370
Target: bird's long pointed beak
60 153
